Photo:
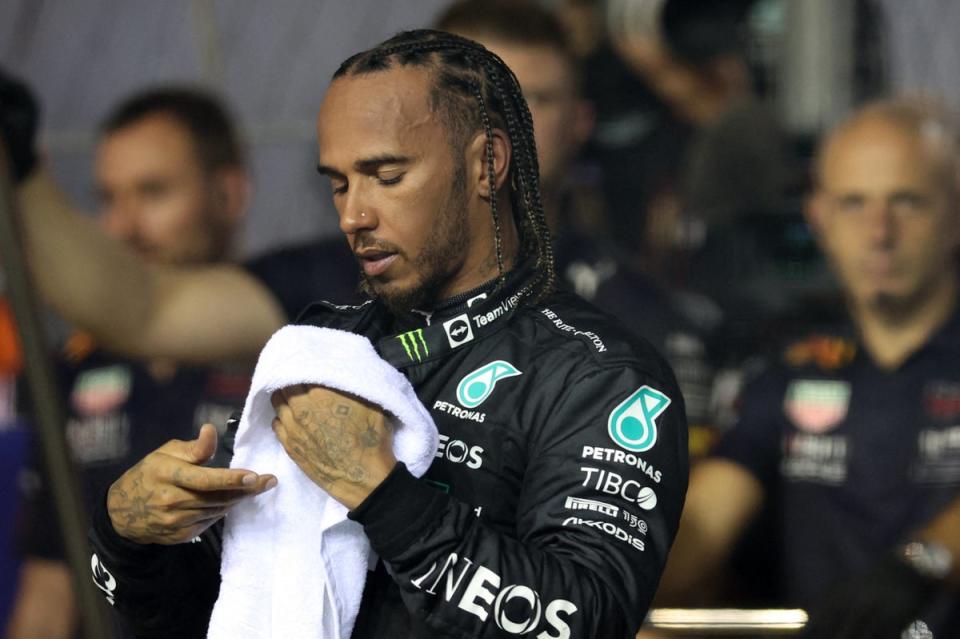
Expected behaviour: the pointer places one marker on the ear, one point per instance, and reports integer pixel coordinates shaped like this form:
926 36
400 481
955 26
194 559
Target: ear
233 192
477 161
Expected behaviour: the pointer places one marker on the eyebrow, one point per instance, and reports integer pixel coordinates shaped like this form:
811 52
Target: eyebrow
365 165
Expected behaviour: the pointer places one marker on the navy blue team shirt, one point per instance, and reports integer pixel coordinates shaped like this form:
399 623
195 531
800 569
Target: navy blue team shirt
855 458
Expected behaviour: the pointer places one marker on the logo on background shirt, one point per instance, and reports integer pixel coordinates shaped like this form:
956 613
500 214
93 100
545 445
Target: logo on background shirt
918 630
101 390
99 438
413 342
632 425
941 399
817 405
939 456
458 330
103 579
476 387
826 352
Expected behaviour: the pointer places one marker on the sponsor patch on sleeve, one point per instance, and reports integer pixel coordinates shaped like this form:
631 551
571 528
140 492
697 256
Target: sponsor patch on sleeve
632 424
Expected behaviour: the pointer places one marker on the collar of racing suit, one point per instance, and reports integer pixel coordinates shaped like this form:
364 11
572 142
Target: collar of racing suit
456 321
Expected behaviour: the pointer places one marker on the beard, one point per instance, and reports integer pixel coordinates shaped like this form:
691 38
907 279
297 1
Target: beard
437 261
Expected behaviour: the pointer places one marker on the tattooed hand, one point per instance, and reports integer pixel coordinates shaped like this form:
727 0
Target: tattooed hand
169 498
343 443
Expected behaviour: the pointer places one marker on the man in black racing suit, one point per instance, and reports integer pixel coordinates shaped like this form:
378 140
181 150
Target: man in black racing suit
558 483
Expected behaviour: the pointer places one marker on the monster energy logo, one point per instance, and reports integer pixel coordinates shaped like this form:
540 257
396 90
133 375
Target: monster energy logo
412 341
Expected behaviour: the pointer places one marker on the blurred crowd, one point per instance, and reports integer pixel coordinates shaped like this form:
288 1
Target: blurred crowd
804 293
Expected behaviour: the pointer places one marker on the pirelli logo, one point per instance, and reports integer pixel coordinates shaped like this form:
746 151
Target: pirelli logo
576 503
414 345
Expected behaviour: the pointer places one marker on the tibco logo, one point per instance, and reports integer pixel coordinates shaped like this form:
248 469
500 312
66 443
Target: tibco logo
613 484
517 609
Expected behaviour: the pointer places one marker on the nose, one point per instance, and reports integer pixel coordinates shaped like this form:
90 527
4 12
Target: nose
119 221
882 227
356 213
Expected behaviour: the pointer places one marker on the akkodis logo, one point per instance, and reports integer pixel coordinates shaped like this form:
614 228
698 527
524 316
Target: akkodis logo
632 424
476 387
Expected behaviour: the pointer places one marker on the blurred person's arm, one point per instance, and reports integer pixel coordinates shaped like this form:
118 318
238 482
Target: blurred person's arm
197 314
944 531
722 500
897 589
45 607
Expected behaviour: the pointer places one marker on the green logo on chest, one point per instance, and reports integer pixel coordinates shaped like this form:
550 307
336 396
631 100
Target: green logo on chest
476 387
413 344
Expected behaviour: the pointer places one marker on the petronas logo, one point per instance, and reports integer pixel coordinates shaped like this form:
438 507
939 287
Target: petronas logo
477 386
414 344
632 424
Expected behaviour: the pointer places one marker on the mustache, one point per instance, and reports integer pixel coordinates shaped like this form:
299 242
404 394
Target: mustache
364 240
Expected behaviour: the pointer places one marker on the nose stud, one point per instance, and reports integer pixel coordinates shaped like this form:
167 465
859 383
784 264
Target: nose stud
363 214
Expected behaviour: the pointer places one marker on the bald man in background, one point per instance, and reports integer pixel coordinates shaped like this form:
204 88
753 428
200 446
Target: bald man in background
852 437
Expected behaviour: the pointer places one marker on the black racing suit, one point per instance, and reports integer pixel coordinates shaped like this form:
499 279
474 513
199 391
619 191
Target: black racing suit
549 509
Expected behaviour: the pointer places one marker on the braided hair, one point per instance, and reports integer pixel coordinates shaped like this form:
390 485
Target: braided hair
474 90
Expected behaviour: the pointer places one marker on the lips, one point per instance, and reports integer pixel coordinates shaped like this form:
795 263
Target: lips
881 268
375 262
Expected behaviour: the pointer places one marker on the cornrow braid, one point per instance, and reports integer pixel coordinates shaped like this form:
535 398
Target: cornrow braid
491 178
474 90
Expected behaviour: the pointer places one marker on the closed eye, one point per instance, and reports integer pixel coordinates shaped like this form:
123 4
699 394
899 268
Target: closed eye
388 181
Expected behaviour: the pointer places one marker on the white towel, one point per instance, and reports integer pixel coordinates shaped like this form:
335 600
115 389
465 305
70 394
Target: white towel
293 565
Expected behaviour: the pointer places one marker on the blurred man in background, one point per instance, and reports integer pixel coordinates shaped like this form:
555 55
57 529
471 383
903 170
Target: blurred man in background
195 313
531 41
852 437
173 186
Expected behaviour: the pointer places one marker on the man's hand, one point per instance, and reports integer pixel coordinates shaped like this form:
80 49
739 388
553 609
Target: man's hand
19 117
169 498
343 443
879 604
